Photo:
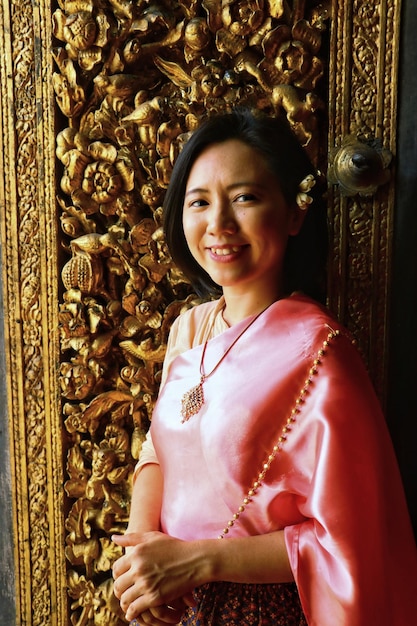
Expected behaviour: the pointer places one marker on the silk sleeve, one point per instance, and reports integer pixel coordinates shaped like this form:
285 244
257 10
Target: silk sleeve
353 557
148 453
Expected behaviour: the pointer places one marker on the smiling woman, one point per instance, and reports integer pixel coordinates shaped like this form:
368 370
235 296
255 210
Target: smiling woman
237 223
259 494
263 148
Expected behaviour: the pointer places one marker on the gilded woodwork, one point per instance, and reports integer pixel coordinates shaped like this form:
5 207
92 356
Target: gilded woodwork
97 101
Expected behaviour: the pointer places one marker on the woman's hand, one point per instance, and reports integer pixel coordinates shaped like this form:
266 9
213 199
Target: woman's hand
155 578
157 569
161 615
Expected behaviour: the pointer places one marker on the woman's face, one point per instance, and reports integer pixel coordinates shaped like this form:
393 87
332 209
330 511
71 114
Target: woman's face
235 219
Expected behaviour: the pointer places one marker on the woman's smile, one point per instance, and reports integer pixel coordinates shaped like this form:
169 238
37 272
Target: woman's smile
219 251
227 253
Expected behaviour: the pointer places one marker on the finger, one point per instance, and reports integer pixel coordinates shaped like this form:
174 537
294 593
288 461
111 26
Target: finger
157 616
122 579
189 600
119 540
129 539
167 614
135 601
129 600
120 588
120 567
144 619
136 609
177 605
140 620
127 588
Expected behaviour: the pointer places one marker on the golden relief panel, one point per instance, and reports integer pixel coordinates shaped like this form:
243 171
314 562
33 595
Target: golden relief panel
97 100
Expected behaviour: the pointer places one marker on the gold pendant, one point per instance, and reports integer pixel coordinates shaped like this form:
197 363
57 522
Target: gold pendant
192 401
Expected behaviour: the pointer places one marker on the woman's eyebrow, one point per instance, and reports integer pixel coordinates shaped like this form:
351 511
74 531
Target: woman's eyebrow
242 183
195 190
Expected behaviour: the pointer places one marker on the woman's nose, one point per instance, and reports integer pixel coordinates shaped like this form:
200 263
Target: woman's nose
221 219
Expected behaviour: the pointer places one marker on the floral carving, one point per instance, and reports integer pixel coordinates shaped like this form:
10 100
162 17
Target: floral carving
96 176
290 55
133 80
85 32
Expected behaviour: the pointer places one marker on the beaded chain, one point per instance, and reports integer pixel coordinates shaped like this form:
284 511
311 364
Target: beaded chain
284 432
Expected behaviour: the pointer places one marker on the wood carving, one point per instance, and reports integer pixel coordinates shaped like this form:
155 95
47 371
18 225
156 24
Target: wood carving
133 81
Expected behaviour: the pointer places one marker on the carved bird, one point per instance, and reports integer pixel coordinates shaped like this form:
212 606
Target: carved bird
146 112
143 351
121 85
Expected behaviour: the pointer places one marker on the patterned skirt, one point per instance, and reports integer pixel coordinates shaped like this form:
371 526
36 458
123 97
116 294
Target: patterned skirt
235 604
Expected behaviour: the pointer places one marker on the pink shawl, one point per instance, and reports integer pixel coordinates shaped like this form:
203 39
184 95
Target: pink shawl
334 486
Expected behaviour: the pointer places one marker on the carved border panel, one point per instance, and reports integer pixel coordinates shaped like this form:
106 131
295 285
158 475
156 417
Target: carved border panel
31 286
96 100
363 101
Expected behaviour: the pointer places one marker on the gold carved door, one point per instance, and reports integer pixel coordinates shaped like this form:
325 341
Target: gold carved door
96 100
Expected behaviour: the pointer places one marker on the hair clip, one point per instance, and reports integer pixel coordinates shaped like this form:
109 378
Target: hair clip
303 200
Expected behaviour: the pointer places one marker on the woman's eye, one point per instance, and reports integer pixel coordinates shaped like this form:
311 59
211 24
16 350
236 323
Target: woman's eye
198 203
245 197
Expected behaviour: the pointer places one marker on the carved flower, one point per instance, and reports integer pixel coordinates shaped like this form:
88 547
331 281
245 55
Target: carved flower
105 121
208 81
290 55
77 382
244 17
240 19
151 194
109 553
96 605
80 30
75 423
102 181
85 35
95 177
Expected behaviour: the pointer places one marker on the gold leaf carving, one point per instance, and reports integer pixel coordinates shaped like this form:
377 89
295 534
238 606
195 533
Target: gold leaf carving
133 81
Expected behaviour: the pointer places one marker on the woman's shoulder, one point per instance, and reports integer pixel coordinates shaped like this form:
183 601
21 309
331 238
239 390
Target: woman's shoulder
309 322
197 314
194 323
202 310
302 311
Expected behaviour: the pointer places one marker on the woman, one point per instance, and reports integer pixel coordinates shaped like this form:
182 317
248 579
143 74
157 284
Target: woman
268 491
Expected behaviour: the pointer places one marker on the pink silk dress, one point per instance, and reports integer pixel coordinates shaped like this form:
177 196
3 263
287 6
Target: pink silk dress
332 484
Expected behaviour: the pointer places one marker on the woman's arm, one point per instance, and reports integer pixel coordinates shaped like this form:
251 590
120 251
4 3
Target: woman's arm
145 506
145 511
168 568
258 559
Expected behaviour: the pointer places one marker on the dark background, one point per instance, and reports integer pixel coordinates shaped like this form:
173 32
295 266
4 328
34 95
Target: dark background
402 382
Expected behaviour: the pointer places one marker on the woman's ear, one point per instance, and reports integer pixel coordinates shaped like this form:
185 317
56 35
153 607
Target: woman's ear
297 217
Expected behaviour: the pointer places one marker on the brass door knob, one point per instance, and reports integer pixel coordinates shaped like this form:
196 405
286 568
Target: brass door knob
359 166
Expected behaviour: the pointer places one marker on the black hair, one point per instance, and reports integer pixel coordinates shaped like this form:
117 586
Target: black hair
306 253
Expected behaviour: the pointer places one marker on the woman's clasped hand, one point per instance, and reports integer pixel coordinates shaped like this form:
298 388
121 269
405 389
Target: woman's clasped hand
155 578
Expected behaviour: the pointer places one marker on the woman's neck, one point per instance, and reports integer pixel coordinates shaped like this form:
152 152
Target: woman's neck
240 306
